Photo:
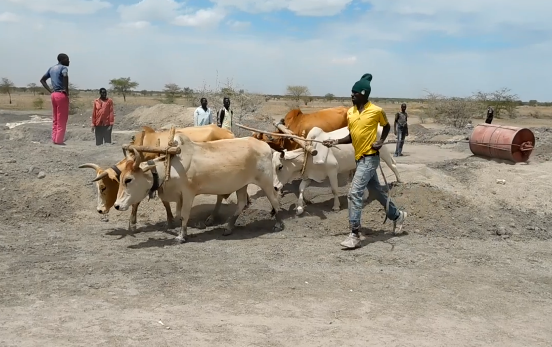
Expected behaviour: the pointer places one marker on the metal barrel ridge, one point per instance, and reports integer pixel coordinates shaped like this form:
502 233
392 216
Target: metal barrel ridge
502 142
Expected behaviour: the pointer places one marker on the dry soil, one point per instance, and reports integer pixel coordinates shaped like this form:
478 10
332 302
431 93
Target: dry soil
474 267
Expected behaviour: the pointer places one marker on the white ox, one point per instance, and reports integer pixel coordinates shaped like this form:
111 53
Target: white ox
214 168
327 163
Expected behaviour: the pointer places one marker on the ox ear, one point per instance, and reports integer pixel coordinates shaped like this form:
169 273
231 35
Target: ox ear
100 176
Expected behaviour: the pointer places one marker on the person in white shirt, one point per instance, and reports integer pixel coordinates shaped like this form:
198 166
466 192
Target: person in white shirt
203 115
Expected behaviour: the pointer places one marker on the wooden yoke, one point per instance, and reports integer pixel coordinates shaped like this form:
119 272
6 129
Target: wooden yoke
302 143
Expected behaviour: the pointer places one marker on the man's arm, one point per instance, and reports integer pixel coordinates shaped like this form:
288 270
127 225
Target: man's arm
65 74
196 117
395 124
43 81
111 113
345 140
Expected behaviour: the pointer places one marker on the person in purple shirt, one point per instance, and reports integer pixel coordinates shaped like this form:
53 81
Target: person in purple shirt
60 97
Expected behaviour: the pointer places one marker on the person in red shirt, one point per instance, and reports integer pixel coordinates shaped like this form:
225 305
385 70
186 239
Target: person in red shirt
103 118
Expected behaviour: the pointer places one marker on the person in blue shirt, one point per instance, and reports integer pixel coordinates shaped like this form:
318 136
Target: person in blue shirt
59 94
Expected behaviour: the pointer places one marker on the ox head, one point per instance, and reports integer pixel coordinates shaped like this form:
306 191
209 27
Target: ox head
135 182
275 142
318 134
107 185
286 167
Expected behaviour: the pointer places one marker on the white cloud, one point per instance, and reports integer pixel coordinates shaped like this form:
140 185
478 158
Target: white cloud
236 24
202 18
344 61
136 25
9 17
300 7
150 10
62 6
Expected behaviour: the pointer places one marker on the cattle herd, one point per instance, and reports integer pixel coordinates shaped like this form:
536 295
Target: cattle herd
212 161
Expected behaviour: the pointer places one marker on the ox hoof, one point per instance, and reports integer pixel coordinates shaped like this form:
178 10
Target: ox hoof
179 240
201 225
227 232
132 228
210 221
279 226
299 210
336 208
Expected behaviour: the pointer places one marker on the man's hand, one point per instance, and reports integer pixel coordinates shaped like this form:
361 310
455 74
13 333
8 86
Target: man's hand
92 128
329 143
377 145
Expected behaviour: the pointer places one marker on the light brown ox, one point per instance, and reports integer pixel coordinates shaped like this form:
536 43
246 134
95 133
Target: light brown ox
214 168
107 180
328 119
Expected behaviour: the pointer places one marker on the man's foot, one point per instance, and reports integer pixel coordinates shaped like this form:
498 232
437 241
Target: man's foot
398 223
60 144
352 241
395 155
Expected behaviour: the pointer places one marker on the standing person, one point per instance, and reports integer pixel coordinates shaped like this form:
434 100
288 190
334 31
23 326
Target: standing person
490 115
400 129
202 114
225 115
363 119
103 118
59 94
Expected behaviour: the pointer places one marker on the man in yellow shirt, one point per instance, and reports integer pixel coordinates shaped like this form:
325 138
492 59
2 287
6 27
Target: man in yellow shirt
363 119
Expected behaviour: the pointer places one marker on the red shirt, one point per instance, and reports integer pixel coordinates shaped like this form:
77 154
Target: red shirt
102 113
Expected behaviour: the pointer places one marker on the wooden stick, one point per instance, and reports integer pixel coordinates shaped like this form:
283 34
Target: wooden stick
158 150
291 136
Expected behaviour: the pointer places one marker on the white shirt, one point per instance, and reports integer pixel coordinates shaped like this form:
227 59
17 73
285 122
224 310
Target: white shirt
202 117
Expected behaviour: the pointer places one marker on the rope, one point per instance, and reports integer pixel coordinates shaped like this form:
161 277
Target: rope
171 143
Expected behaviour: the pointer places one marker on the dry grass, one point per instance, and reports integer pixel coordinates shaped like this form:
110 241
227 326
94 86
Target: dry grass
273 107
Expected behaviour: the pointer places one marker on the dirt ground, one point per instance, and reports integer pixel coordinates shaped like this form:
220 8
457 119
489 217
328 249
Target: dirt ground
474 267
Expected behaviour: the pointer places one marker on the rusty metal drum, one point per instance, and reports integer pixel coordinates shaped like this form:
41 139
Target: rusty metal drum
502 142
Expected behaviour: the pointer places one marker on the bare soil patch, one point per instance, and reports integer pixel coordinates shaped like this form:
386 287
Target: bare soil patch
473 268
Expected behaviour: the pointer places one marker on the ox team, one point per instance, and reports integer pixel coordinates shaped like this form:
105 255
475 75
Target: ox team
362 121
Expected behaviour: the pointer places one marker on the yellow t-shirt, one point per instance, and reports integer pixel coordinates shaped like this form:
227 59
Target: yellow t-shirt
363 127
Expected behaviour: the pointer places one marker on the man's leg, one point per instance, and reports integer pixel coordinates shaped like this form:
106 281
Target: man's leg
400 142
63 116
99 132
107 136
54 116
362 176
396 215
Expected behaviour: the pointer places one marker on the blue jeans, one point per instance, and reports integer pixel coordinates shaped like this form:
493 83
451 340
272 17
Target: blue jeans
400 140
366 176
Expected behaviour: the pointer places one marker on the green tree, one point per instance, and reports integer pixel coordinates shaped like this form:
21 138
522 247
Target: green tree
172 91
33 87
297 92
329 97
6 87
123 85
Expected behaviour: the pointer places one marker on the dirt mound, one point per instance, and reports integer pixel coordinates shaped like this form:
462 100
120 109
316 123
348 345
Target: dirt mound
158 116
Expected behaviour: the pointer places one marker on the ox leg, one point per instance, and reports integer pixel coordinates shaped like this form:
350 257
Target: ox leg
242 201
301 199
211 219
332 176
132 219
273 198
185 209
170 217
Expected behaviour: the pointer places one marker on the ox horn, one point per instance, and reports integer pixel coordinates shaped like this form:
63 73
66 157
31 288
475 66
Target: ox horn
137 158
90 165
100 176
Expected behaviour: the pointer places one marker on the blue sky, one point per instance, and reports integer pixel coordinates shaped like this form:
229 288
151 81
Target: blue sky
453 48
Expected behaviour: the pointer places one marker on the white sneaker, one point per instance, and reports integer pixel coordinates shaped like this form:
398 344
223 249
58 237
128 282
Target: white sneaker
398 223
352 241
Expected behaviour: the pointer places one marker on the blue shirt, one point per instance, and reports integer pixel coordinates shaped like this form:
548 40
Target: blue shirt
56 74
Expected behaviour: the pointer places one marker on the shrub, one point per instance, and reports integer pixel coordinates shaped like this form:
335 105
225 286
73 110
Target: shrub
38 103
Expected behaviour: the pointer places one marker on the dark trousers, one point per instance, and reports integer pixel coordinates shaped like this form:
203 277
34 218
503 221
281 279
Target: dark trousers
103 134
401 135
489 119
